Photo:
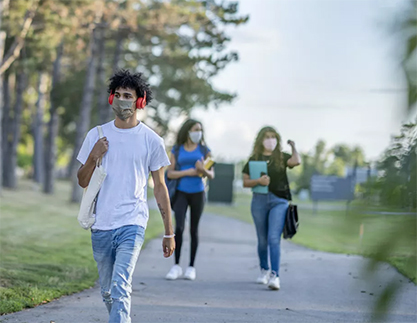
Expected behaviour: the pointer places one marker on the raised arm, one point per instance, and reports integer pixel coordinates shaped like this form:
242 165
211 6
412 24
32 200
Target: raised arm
295 159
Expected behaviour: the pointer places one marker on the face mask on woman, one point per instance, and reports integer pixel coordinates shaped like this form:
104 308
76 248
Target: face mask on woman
270 143
196 136
123 109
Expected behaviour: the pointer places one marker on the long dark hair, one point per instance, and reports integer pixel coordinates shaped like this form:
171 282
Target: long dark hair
182 136
258 147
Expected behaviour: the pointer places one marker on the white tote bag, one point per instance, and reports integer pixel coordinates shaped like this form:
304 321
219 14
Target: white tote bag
86 216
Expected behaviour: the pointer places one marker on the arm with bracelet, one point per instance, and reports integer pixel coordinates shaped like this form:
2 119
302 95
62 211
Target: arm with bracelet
162 199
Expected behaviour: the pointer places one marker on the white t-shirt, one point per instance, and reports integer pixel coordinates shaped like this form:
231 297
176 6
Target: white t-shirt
132 153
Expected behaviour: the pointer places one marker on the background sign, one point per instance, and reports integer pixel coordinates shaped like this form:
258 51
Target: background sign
332 187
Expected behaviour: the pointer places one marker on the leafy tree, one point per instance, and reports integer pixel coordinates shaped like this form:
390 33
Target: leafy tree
398 166
408 28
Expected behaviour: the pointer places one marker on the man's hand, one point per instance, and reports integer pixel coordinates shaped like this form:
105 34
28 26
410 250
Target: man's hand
86 171
291 143
168 247
264 180
100 148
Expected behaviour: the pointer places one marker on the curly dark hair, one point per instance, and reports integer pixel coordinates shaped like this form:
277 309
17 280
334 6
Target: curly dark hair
182 136
125 79
258 147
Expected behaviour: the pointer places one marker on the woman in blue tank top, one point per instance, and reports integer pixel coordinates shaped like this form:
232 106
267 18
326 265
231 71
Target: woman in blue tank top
187 165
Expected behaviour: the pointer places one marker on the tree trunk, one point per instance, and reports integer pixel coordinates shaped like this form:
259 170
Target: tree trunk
14 51
118 50
1 128
2 106
104 109
38 130
6 120
53 126
85 115
10 179
2 42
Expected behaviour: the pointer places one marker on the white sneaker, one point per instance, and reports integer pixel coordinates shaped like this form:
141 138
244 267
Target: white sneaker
174 273
263 277
274 282
190 273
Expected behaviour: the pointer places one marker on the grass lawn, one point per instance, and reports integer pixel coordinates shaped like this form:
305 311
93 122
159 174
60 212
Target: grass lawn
44 253
390 238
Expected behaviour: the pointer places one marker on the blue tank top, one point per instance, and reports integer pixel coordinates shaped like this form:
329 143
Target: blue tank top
187 160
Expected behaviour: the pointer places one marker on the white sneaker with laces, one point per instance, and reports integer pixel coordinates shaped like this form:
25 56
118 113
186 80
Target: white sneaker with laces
174 273
263 277
274 283
190 273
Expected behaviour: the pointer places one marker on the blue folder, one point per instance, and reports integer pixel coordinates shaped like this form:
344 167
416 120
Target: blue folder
255 170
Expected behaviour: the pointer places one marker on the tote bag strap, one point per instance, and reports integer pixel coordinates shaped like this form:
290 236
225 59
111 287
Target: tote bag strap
101 135
100 131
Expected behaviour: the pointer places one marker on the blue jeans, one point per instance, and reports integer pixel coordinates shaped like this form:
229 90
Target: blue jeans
269 213
116 252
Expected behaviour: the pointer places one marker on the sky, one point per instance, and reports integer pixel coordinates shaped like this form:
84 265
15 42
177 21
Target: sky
313 69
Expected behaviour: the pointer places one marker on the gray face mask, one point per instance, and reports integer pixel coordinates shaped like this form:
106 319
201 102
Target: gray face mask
123 109
196 136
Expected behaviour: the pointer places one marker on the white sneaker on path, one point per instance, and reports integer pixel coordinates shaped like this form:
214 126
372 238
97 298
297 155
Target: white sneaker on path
263 277
174 273
190 273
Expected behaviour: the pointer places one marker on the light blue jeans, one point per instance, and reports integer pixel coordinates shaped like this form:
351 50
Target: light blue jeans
116 252
269 213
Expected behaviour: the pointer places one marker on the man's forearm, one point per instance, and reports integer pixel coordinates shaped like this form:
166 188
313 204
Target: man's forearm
85 172
162 199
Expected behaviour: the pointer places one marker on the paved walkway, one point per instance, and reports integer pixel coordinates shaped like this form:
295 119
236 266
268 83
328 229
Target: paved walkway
315 286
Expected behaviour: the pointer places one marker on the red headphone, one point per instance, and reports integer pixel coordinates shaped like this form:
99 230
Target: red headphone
140 102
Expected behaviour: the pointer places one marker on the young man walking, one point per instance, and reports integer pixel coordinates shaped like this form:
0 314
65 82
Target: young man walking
129 151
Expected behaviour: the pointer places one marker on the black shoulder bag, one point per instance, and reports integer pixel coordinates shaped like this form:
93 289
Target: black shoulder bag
291 222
